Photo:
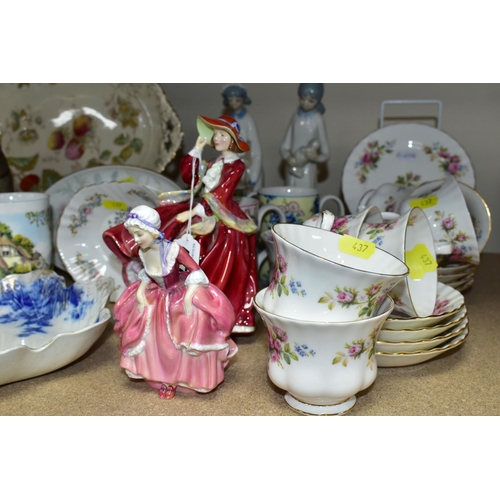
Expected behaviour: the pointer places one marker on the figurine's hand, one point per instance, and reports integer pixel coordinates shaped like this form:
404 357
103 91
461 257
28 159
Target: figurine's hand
312 154
188 299
291 161
141 301
201 142
183 216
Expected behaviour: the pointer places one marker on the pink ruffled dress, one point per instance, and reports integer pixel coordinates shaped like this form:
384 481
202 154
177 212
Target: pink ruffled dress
164 345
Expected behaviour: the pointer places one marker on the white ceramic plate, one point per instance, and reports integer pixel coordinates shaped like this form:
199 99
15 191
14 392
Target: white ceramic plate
88 214
421 345
63 190
478 210
448 302
406 154
415 335
414 358
52 130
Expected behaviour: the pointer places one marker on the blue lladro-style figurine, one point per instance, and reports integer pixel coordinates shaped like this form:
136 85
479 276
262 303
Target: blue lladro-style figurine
236 99
306 142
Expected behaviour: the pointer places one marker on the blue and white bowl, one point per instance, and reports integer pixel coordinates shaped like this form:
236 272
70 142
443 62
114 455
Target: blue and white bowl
45 325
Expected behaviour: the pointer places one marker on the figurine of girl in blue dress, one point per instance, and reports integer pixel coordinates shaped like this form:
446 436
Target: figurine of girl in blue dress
306 141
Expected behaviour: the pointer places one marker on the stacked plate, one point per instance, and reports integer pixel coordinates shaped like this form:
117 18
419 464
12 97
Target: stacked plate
405 341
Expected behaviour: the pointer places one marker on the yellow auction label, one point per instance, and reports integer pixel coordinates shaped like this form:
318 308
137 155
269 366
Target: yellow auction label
127 179
114 205
420 261
354 246
425 202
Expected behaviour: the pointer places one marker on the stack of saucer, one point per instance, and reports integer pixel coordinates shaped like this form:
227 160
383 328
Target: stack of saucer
405 341
459 276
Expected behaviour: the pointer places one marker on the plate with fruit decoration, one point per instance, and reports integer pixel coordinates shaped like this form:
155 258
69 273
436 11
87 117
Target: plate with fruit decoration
51 130
405 154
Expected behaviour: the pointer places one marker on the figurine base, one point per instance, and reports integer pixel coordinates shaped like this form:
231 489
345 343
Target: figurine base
318 410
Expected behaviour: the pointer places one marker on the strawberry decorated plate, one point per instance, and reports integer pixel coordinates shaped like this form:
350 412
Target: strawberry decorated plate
50 130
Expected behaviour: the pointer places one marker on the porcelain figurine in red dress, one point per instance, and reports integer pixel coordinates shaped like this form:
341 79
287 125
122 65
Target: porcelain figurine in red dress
174 326
226 235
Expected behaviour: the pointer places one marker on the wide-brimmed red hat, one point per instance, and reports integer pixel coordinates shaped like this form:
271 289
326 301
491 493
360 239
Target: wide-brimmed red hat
227 123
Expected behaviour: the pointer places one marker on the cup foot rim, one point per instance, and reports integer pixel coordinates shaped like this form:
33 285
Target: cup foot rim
320 410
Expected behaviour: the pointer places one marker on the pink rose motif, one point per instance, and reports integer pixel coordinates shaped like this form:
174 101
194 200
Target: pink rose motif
340 222
453 168
87 210
367 159
448 223
345 297
277 345
440 306
275 356
373 289
282 266
444 154
454 159
462 237
281 334
355 349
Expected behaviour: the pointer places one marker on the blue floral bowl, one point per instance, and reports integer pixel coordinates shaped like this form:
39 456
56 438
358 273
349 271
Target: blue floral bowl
46 325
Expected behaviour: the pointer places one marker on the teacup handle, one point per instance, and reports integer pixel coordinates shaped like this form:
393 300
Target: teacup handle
270 208
363 202
336 199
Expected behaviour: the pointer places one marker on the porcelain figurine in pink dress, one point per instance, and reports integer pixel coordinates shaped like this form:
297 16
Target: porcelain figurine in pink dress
226 235
174 326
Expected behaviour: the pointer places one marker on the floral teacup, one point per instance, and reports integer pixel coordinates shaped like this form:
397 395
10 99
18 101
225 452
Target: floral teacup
322 365
409 238
345 224
321 276
298 203
449 218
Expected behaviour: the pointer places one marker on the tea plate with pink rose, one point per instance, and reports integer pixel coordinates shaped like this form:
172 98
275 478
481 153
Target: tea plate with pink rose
398 359
406 154
423 344
448 302
50 130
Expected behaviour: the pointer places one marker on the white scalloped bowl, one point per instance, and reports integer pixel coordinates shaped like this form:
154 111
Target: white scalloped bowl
46 325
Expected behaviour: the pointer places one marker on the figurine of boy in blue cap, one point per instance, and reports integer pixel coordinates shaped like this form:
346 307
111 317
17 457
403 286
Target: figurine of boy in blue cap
236 98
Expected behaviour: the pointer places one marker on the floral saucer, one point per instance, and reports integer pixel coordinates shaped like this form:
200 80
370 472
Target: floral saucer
424 344
88 214
448 302
385 359
63 190
405 154
51 130
417 334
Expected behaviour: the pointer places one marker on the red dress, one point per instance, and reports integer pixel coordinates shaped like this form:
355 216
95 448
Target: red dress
228 250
